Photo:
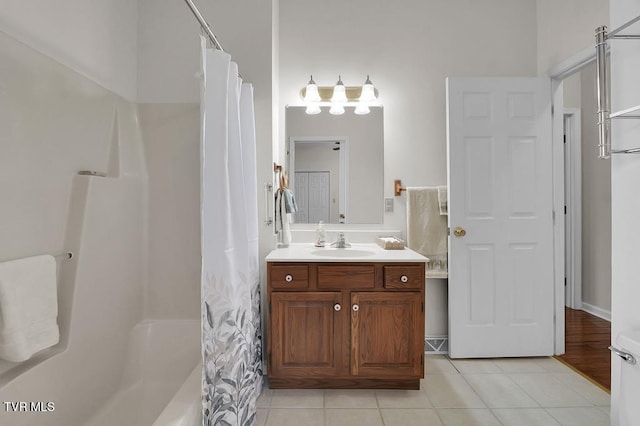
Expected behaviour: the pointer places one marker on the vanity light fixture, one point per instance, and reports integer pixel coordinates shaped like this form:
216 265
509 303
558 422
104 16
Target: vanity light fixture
338 97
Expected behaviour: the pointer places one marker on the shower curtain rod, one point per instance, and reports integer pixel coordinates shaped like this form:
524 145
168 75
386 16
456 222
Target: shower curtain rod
203 23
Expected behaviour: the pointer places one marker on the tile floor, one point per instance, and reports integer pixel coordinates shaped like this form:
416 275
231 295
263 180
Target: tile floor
519 392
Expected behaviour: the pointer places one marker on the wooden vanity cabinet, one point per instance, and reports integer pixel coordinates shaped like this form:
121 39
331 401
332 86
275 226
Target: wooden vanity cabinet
345 325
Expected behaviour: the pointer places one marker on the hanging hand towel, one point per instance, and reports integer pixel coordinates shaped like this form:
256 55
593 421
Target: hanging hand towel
282 217
28 307
442 200
290 205
426 228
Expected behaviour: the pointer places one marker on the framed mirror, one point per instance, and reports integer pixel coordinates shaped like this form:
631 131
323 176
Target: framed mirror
336 165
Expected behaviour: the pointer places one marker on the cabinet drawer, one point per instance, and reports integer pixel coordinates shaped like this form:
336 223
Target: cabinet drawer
346 276
289 276
404 276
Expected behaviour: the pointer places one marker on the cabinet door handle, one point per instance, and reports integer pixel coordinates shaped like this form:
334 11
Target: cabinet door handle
288 278
337 307
355 308
404 278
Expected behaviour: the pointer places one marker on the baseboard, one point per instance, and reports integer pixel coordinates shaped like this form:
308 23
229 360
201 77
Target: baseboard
436 345
599 312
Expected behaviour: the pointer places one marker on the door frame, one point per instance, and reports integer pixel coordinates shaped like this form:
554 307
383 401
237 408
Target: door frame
557 73
573 200
343 184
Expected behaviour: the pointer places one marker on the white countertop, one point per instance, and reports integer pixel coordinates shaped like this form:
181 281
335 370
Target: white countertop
307 252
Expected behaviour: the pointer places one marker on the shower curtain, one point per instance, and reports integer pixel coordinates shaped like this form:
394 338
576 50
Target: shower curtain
232 350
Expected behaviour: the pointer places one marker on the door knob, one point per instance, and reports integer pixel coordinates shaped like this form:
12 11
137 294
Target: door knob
459 232
337 307
355 308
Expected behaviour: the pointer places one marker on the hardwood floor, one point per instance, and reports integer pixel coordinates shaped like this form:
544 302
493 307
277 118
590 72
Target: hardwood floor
587 341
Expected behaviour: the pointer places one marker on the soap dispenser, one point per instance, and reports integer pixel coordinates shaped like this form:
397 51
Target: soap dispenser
320 234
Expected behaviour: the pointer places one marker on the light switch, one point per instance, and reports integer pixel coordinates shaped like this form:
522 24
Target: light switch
388 205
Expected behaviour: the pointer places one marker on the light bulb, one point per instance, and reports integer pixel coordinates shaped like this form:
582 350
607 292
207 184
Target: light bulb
339 92
311 93
337 109
368 93
313 108
362 109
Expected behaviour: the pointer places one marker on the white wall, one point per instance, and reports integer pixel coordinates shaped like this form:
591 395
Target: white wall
567 27
625 180
408 48
171 139
168 61
596 204
96 38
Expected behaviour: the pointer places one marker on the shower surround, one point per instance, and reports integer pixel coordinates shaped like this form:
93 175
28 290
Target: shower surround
55 123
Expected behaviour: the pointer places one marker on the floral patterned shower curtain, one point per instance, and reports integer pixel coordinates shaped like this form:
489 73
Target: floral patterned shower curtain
231 334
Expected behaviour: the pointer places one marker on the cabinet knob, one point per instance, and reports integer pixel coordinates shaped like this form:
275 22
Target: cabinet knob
355 308
337 307
404 278
288 278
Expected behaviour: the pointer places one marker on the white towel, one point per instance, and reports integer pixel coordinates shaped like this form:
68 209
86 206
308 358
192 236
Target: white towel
426 228
442 200
28 307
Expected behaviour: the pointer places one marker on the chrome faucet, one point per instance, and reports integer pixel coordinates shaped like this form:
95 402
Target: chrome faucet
341 242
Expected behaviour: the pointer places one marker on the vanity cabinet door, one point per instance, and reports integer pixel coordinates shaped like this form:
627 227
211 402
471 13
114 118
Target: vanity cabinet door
305 328
387 334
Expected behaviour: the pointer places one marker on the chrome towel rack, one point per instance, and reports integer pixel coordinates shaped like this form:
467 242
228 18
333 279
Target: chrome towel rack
602 92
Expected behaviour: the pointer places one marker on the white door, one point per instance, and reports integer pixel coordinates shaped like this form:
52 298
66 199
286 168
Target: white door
312 197
301 192
501 276
319 197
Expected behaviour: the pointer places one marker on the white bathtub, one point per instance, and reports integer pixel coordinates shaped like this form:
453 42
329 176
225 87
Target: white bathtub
185 408
162 355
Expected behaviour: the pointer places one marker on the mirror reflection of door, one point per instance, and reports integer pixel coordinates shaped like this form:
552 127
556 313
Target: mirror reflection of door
319 179
312 196
351 147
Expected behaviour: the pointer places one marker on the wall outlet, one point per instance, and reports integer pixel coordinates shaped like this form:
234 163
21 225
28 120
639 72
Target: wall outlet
388 205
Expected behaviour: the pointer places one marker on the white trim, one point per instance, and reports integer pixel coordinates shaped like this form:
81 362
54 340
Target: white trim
557 73
557 125
572 65
573 200
594 310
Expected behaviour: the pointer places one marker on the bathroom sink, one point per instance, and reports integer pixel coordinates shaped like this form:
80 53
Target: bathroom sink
342 252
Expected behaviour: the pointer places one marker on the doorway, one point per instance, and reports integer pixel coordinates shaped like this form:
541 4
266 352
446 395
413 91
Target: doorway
587 234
